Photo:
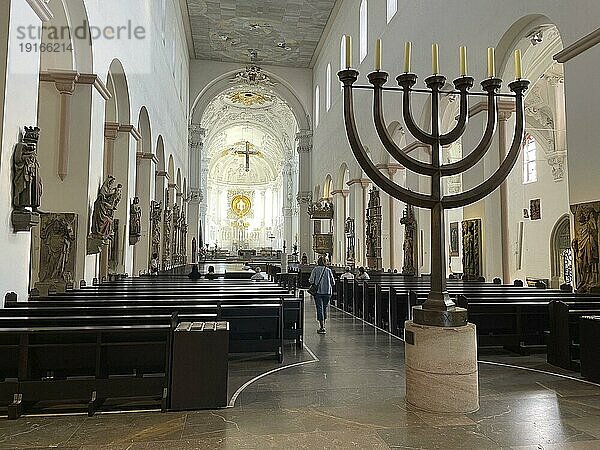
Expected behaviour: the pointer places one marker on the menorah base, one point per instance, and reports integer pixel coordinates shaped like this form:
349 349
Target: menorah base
441 368
451 317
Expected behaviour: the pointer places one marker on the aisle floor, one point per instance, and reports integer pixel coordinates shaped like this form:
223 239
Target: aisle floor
345 390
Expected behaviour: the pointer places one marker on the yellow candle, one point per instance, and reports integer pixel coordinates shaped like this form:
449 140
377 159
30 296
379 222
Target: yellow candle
518 69
407 51
348 51
463 61
491 63
378 55
435 59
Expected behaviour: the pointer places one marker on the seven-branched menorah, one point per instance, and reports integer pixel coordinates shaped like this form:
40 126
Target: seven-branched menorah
438 309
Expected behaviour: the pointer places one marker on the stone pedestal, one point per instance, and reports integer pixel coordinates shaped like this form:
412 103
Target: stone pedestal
441 368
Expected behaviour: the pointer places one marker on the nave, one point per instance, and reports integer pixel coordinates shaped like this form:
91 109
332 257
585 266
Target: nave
345 390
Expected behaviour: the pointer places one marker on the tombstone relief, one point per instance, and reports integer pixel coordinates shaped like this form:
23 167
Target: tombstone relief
585 246
410 228
58 248
471 235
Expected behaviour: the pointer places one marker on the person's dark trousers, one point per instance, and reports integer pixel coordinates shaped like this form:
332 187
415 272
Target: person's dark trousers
321 303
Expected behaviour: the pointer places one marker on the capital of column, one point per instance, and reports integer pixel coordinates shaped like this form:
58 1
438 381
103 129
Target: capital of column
304 139
173 186
111 130
363 182
343 192
196 135
163 174
196 196
150 157
65 81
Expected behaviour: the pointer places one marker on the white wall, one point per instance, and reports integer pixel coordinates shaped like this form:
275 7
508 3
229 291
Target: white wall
20 109
478 25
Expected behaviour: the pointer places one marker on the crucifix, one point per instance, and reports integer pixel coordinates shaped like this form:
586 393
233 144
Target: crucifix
247 153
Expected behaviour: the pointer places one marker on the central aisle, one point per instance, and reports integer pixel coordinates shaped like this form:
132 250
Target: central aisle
351 397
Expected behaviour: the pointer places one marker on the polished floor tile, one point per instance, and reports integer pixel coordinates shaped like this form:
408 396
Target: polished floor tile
351 396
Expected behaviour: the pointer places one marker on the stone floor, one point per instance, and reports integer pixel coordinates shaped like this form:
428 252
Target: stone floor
346 392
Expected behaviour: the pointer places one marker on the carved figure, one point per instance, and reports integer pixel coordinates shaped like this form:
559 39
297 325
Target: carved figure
373 231
155 219
585 246
57 236
27 183
135 221
410 228
471 233
168 220
104 207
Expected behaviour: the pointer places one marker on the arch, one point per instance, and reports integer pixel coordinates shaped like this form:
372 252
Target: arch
145 130
328 87
282 88
178 182
560 242
159 186
119 103
327 187
76 53
343 176
171 169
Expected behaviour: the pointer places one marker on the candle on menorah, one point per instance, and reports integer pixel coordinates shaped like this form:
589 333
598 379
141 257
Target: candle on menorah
438 311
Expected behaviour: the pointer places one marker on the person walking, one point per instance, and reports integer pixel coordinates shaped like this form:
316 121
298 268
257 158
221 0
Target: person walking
322 279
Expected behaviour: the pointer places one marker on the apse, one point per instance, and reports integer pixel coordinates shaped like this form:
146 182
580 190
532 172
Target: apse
251 169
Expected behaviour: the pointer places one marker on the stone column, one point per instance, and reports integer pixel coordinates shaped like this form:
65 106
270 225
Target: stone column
338 226
194 196
504 213
392 169
359 190
288 203
304 197
111 131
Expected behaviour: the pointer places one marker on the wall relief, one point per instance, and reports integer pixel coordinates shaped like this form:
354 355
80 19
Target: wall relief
585 246
58 250
471 235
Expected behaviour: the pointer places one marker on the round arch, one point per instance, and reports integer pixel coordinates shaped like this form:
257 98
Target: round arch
282 88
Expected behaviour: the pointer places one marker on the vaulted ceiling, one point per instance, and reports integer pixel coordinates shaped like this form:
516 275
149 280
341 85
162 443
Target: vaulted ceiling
277 32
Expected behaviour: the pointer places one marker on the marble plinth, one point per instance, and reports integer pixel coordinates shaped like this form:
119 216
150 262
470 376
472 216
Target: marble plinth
441 368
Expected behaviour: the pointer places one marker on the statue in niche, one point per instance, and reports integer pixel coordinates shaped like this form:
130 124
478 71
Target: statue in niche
105 205
57 251
27 183
410 228
373 231
585 246
471 235
155 222
135 221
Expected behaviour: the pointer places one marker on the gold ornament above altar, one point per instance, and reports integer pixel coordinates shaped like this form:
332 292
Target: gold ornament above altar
249 98
241 205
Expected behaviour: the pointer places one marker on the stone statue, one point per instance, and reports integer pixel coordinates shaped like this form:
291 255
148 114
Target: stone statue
135 221
373 231
105 205
471 234
167 222
585 246
57 251
155 225
410 228
27 183
194 250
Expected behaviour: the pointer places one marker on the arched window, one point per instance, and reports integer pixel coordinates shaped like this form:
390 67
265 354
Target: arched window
529 160
364 42
317 100
328 88
342 58
392 9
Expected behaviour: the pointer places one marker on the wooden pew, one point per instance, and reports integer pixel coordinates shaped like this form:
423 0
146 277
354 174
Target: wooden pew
563 336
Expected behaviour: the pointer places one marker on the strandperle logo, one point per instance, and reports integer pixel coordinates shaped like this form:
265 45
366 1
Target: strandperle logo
85 31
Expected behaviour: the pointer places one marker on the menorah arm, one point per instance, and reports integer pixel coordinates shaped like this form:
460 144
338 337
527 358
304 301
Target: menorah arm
463 84
407 81
348 77
487 187
490 85
378 79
